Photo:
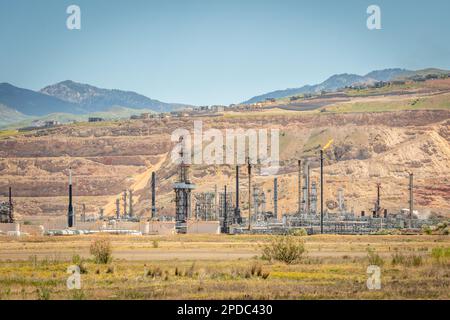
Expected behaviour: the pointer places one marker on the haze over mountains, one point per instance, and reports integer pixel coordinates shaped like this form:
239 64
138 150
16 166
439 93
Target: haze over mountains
340 81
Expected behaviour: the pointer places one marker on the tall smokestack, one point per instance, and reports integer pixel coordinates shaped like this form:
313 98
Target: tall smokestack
378 208
249 168
70 213
118 209
411 197
125 204
216 202
237 210
11 208
153 195
275 197
83 218
299 211
321 191
131 204
225 212
308 189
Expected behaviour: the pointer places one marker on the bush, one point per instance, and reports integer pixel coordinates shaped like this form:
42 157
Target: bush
298 232
441 254
408 261
101 250
43 293
77 260
287 249
374 258
398 258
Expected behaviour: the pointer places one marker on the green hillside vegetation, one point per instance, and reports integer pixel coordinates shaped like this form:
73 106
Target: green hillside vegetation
441 102
112 114
424 73
383 90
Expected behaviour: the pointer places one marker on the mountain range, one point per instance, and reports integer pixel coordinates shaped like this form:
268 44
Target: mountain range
340 81
70 100
74 98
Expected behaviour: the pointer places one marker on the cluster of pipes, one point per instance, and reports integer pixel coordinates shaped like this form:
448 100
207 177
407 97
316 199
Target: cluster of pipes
227 214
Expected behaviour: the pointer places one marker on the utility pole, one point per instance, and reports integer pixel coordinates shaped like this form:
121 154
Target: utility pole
249 168
321 191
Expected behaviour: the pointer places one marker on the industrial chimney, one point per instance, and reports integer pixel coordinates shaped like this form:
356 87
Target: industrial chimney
153 195
11 208
70 213
275 197
237 210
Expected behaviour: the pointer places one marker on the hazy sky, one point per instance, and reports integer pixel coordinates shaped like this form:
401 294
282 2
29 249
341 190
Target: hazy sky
215 51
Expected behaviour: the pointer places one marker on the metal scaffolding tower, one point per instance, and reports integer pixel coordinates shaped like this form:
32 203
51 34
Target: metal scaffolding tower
183 188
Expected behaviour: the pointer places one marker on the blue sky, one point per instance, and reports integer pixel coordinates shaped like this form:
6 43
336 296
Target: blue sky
215 51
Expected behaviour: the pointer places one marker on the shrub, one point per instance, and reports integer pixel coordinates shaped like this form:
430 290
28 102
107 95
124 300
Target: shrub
111 269
374 258
77 260
155 244
440 254
287 249
43 293
415 261
101 250
408 261
398 258
78 295
298 232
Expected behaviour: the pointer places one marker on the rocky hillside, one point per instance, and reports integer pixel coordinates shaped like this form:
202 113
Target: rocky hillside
93 99
368 148
339 81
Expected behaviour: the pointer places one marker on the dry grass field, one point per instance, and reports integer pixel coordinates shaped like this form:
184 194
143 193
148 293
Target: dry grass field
226 267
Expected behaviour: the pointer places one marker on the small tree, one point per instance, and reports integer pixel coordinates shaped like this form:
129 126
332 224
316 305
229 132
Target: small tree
288 249
101 250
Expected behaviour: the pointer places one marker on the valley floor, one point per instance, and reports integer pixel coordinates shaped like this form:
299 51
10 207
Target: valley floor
225 267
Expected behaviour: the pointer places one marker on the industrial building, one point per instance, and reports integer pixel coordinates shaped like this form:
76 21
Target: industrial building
220 212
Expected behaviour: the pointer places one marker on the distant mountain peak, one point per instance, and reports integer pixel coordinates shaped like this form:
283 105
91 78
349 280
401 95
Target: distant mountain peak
335 82
93 98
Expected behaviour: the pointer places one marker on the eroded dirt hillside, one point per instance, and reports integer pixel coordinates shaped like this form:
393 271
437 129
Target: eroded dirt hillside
108 158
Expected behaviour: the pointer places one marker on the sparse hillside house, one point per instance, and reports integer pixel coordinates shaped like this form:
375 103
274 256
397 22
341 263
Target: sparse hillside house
37 124
51 123
217 108
95 119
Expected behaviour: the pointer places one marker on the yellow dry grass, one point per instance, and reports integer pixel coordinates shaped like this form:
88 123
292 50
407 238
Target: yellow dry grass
200 267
